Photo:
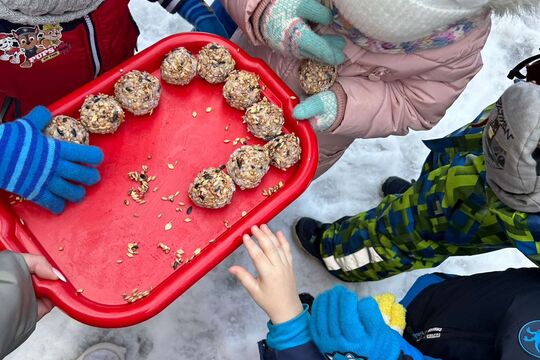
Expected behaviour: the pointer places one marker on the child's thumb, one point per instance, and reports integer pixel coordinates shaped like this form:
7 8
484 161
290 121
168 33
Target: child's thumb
38 265
246 279
39 117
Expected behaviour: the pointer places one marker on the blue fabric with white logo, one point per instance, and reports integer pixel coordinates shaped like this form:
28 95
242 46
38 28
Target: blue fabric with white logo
41 169
484 316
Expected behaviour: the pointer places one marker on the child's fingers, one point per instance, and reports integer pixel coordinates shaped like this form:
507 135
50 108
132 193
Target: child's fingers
267 245
257 255
44 306
285 246
247 280
39 266
265 229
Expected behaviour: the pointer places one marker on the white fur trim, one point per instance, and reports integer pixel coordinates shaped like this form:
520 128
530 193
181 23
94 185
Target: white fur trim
406 20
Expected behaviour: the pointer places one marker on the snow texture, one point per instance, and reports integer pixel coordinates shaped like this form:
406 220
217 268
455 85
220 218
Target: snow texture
216 319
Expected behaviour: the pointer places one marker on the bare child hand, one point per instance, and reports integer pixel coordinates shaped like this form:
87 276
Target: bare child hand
274 290
39 266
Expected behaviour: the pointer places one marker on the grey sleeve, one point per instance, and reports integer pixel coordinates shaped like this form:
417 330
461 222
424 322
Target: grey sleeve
18 306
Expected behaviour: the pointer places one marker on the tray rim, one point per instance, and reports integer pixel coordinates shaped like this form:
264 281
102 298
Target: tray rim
114 316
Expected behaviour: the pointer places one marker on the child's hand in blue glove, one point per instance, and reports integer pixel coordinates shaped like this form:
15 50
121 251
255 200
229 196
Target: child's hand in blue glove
283 26
320 109
341 324
41 169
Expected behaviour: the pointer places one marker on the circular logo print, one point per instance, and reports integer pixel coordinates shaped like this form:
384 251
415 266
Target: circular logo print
529 338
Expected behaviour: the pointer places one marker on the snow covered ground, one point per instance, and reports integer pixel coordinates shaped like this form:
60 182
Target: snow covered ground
215 319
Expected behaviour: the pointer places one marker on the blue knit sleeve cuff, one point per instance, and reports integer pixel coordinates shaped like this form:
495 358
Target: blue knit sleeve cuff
292 333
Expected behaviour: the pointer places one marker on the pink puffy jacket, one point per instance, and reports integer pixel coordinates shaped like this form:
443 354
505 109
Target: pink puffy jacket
382 94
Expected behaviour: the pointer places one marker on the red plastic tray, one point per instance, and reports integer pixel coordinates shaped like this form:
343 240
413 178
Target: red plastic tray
95 233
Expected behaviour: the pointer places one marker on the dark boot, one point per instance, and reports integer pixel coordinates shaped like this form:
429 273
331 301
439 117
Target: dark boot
395 185
308 233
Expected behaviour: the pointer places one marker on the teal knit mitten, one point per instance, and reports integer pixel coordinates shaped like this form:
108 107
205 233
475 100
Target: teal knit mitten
283 26
320 109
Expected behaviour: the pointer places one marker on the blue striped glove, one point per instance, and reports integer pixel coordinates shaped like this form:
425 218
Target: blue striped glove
344 327
41 169
202 17
283 26
321 109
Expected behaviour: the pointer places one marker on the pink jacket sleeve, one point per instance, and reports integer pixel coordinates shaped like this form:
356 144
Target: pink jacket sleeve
371 109
247 13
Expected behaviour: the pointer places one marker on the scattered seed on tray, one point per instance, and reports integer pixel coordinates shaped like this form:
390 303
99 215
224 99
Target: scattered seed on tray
272 190
227 128
244 213
80 291
149 157
126 202
133 249
21 221
159 216
178 258
187 220
170 166
181 204
226 141
61 248
211 241
164 247
197 252
137 194
119 261
168 226
194 114
135 215
135 295
209 109
227 224
189 210
155 189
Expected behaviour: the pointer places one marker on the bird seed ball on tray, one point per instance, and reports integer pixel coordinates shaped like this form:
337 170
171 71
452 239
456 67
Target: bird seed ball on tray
214 63
248 165
212 189
138 92
66 128
316 77
101 114
242 89
179 67
285 151
264 120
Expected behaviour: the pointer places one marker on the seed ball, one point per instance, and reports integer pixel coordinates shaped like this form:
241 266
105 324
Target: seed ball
214 63
101 114
285 151
264 120
68 129
212 188
138 92
248 165
179 67
316 77
242 89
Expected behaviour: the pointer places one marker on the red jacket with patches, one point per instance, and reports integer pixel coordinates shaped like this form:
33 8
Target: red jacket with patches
39 65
